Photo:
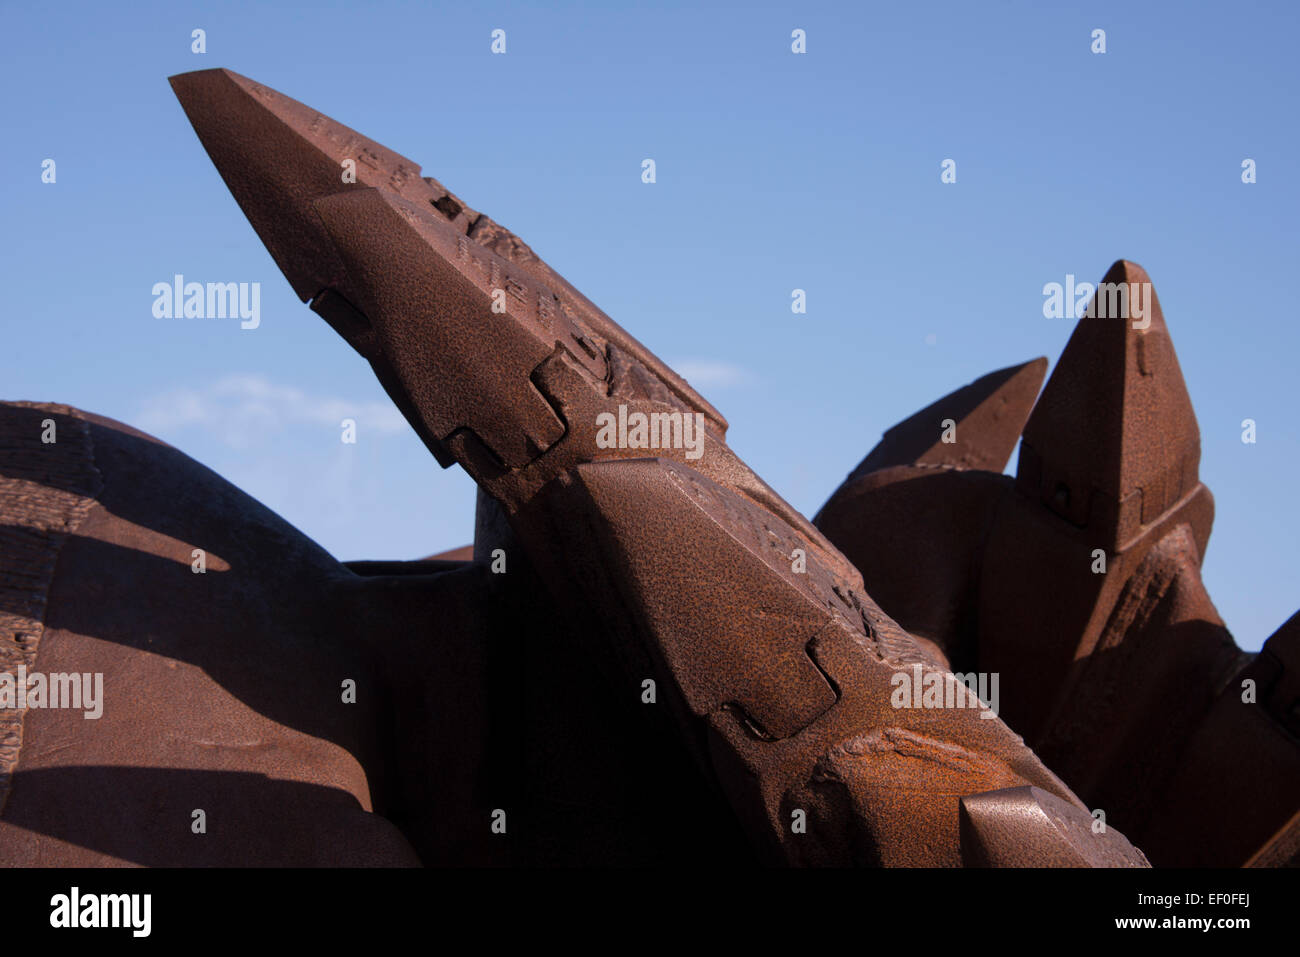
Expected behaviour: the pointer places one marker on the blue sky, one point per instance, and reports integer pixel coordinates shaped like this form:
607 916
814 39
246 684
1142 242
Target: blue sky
774 172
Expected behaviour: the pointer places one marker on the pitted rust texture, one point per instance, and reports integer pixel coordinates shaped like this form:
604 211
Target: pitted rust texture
419 271
676 665
767 536
778 670
1126 682
47 483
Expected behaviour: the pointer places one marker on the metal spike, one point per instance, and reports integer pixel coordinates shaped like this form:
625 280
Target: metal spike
987 417
1112 442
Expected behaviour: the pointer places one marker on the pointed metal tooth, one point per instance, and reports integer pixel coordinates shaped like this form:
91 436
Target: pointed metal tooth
432 324
914 532
279 156
988 414
1027 827
1112 442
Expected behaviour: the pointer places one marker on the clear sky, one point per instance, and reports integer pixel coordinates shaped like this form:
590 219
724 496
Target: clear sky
775 171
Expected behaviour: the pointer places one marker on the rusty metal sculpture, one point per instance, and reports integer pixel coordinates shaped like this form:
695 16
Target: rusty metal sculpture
677 666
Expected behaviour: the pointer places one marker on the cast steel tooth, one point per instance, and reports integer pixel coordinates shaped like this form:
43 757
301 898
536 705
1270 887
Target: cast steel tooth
279 156
776 670
987 414
780 681
1092 608
1108 468
460 363
515 384
1027 827
915 530
1112 442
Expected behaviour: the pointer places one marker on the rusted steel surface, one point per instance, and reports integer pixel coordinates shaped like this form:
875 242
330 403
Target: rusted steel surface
1078 582
647 655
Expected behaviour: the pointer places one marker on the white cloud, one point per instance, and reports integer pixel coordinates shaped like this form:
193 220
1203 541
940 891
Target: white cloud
239 408
710 373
